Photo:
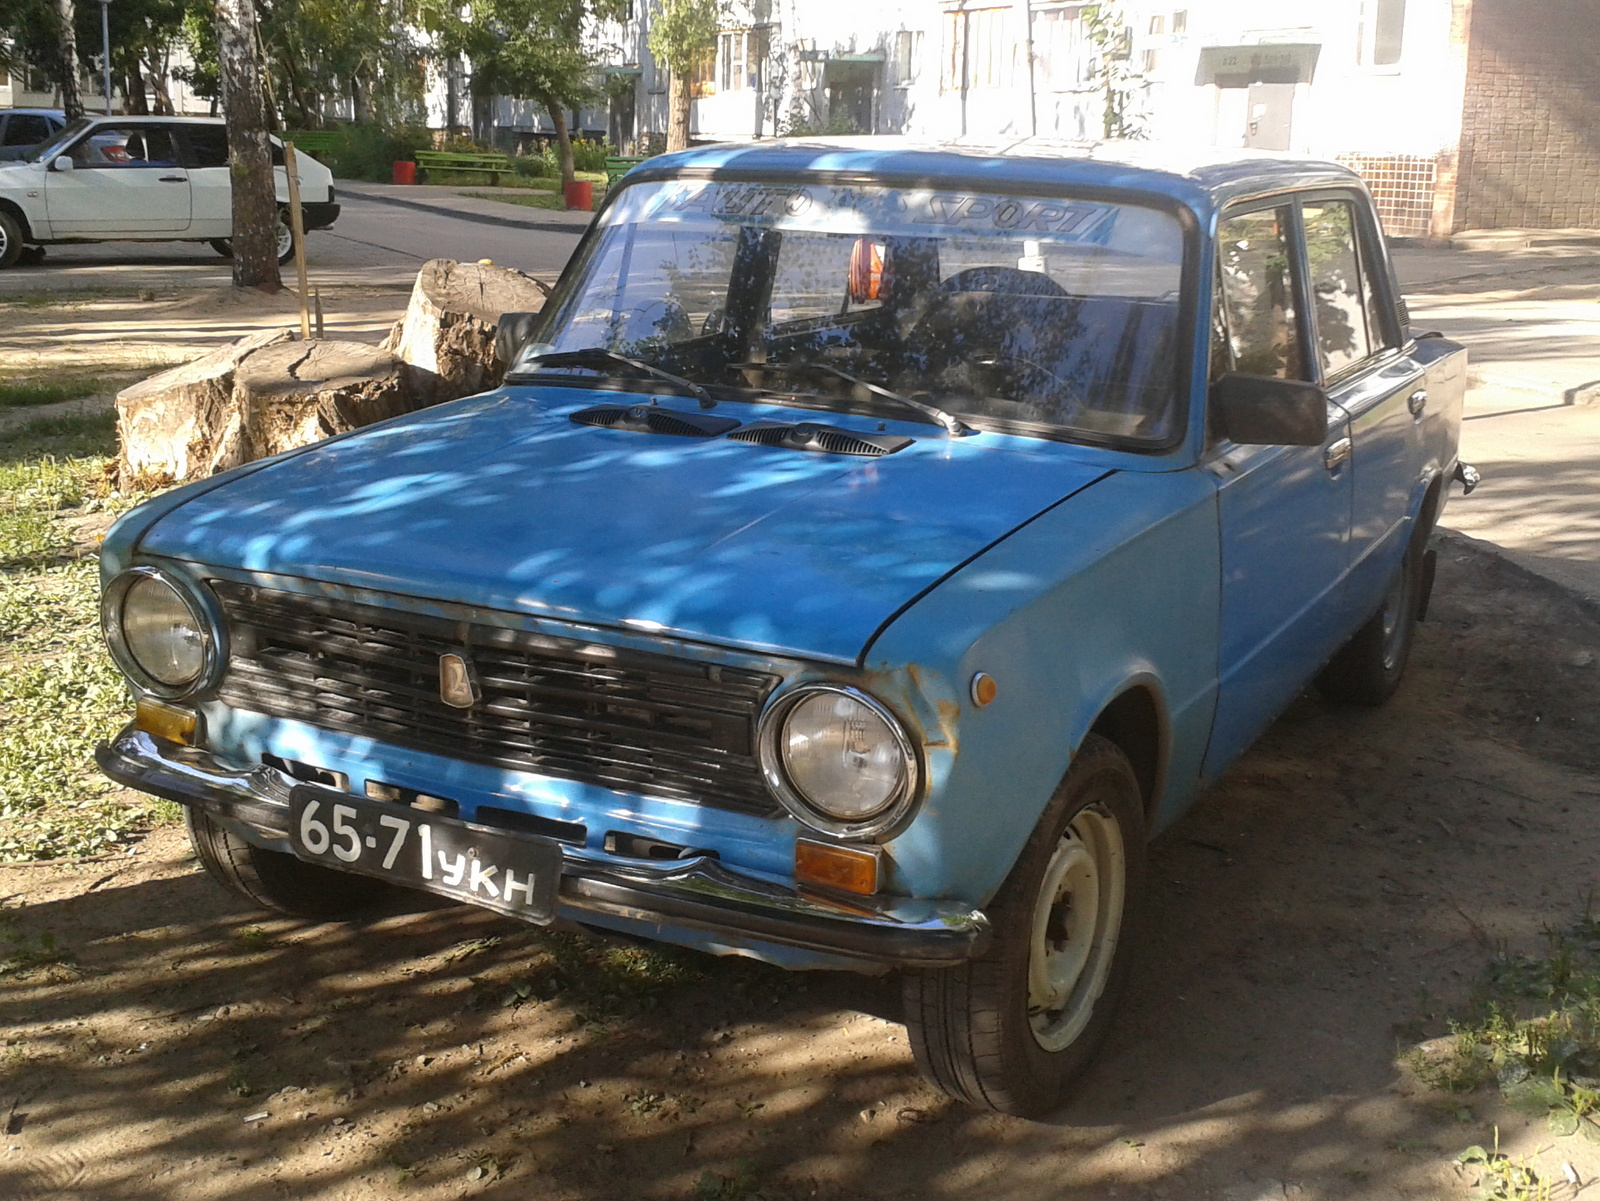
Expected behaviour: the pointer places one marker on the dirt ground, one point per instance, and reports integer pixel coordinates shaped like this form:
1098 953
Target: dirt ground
1315 913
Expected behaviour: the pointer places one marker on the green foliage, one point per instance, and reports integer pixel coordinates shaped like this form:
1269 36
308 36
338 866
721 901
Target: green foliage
681 30
837 125
370 151
59 694
1112 37
1501 1179
1533 1029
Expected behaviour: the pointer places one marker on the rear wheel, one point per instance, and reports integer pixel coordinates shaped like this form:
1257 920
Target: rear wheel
10 239
1012 1030
1368 668
281 231
272 879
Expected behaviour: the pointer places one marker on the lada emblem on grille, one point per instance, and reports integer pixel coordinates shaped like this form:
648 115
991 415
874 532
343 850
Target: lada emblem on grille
458 683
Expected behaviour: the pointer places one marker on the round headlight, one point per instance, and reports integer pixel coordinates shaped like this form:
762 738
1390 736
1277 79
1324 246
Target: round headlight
839 760
157 632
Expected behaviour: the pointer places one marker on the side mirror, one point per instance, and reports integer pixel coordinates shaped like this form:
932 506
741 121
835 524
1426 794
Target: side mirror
514 331
62 162
1258 410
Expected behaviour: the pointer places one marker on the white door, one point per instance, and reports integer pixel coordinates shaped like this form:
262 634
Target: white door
126 179
211 188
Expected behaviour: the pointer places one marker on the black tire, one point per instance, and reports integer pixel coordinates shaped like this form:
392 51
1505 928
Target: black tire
224 246
970 1026
1369 667
31 256
272 879
10 239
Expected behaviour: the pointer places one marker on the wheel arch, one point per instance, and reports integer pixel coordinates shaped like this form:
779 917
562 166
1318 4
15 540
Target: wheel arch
12 209
1135 719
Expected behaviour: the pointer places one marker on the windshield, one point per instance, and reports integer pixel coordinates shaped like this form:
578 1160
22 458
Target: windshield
54 146
1042 311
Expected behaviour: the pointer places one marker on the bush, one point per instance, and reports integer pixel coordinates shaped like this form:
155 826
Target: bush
369 151
589 156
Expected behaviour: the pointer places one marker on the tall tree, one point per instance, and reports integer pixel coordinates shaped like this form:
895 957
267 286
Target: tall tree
681 32
67 55
255 206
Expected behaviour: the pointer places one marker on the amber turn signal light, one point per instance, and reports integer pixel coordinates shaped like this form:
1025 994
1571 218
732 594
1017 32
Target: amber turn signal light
165 721
849 869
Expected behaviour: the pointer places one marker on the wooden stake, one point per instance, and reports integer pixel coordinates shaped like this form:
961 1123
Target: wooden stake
298 225
316 300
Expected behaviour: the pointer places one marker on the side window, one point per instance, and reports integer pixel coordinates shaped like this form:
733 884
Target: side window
27 129
1258 325
208 145
126 146
1345 335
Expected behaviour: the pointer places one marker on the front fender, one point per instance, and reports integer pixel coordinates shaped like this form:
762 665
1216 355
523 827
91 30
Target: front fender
1117 587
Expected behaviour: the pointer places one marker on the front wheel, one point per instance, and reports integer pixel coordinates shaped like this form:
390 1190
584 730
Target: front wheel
1367 669
273 879
10 240
284 245
1012 1030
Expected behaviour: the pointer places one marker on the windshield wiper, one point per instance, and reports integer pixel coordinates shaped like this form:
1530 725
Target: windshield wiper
596 356
952 424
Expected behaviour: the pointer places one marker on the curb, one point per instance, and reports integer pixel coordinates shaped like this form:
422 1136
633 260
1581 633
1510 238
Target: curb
548 227
1529 568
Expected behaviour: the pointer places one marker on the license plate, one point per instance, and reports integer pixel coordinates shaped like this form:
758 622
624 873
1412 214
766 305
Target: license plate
517 874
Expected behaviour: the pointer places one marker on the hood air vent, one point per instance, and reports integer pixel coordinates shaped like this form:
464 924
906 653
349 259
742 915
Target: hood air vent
653 419
823 439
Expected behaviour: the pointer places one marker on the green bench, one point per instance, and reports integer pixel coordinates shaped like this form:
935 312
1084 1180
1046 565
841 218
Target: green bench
618 165
491 164
315 142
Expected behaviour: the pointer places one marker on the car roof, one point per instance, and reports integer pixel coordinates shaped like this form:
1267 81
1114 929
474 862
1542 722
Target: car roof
58 114
119 119
1205 179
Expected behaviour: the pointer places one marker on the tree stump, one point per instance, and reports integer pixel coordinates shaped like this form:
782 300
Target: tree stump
446 339
182 424
262 395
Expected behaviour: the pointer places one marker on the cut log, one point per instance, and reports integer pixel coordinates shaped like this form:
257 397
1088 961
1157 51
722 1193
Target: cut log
262 395
179 425
295 393
446 339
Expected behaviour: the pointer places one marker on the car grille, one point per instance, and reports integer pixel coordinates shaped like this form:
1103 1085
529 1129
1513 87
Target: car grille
636 722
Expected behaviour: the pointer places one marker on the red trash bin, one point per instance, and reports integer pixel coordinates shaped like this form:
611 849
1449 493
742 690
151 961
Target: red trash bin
405 173
580 195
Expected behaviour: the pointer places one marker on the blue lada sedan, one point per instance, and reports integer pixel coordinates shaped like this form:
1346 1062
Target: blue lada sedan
872 546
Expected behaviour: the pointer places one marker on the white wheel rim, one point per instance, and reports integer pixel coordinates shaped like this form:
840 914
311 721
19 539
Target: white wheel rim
285 239
1076 920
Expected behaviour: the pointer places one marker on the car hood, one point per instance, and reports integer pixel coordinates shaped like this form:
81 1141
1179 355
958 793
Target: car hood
501 501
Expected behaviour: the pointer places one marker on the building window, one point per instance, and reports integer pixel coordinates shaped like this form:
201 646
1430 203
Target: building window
1158 24
1180 21
1382 33
907 54
735 56
1060 48
1151 60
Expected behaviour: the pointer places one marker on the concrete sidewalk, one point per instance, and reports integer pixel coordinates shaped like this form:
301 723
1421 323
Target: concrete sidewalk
453 201
1529 314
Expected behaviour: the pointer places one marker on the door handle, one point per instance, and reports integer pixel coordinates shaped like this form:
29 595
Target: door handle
174 179
1416 402
1336 454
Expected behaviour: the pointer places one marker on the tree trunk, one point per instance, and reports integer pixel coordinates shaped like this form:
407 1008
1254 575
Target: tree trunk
563 140
358 101
67 53
138 104
158 78
678 122
255 206
446 339
262 395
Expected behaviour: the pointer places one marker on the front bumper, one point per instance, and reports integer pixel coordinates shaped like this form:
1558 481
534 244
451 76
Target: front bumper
319 214
696 894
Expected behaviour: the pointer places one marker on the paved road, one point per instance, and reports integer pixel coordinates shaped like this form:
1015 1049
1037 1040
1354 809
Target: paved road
374 244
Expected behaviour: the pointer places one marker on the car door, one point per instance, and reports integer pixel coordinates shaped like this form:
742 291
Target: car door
1380 387
211 188
125 179
1283 511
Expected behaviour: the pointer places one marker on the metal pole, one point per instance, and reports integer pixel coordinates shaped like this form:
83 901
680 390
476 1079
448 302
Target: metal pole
105 48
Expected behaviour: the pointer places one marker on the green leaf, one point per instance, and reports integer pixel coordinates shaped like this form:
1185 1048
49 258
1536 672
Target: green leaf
1563 1123
1473 1154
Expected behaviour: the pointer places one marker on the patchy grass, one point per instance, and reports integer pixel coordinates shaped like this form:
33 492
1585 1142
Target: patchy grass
22 393
536 200
1532 1029
59 694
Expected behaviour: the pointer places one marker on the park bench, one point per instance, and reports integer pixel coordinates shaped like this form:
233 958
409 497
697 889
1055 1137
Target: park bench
318 143
618 165
493 165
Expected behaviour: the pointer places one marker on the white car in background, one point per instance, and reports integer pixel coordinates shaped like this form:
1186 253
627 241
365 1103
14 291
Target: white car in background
141 179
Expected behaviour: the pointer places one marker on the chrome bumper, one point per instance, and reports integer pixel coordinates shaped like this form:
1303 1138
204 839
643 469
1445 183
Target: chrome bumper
696 894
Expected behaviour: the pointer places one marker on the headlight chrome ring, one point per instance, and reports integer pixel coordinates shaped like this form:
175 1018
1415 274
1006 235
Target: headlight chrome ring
883 818
206 621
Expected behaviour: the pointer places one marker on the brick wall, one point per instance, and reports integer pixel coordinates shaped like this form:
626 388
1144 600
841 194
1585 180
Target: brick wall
1530 139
